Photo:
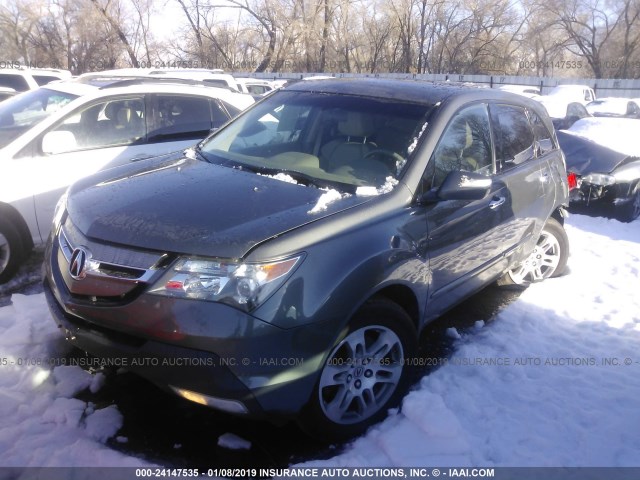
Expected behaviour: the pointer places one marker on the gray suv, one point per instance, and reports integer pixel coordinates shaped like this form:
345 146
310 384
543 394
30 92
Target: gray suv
286 266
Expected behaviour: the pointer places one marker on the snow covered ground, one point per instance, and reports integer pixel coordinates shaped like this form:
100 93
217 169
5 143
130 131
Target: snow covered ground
553 380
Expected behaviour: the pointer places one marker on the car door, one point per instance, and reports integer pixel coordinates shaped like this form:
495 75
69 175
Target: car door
466 238
524 174
98 135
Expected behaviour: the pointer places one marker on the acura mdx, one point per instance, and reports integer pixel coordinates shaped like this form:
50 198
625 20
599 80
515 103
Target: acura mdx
285 267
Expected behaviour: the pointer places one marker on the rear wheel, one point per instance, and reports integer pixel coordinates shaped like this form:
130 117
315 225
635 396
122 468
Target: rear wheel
365 373
11 250
548 259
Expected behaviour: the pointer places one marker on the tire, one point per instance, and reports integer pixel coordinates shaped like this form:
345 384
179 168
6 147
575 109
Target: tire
548 259
630 210
11 250
365 373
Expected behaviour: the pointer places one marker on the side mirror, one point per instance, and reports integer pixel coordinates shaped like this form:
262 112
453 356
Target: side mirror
460 185
58 142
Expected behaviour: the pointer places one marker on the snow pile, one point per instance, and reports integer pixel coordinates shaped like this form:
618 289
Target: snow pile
553 381
331 195
283 177
620 134
41 424
414 142
390 182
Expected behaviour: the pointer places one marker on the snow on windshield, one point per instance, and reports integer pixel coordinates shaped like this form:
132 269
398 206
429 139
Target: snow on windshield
414 142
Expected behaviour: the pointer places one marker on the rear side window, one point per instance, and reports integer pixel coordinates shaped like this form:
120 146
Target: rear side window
514 139
17 82
541 132
180 117
44 79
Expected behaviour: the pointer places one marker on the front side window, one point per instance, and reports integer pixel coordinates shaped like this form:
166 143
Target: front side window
114 122
342 141
22 112
514 139
465 145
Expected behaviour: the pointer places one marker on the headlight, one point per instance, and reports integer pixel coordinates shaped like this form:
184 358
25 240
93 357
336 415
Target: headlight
243 285
601 179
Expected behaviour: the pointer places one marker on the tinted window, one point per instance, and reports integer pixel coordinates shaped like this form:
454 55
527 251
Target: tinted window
512 134
542 135
464 145
17 82
44 79
218 114
104 124
180 117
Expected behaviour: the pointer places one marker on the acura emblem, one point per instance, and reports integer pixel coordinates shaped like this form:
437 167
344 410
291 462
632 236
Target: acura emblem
78 266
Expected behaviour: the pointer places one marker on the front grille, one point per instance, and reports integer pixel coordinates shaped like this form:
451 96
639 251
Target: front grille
112 274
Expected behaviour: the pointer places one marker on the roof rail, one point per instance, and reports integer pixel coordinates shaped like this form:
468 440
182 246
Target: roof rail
114 81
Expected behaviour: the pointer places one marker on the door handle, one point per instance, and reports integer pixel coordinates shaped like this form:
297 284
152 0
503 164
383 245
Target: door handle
142 156
496 201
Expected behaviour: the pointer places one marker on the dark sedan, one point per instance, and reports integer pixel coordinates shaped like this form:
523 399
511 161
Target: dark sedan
602 175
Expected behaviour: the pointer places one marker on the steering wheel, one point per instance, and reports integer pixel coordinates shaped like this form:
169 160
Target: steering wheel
389 155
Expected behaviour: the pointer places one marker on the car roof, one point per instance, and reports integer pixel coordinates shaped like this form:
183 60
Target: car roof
98 87
415 91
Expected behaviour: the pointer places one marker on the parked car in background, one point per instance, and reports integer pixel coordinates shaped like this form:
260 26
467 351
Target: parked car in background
633 108
614 107
575 111
212 77
559 98
23 79
293 275
526 90
55 135
603 155
254 86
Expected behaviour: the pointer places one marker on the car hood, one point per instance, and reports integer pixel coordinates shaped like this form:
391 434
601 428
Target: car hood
584 156
189 206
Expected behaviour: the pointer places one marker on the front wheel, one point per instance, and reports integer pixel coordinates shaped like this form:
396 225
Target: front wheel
11 250
548 259
364 375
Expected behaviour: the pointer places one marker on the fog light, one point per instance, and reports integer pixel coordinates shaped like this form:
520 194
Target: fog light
230 406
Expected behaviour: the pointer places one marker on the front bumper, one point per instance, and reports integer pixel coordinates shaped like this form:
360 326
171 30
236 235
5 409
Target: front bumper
207 348
587 193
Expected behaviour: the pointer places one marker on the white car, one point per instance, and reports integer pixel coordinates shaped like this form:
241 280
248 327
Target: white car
254 86
524 90
614 107
557 101
55 135
213 77
23 79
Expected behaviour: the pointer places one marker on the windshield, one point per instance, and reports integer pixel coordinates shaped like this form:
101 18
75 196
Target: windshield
322 139
20 113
